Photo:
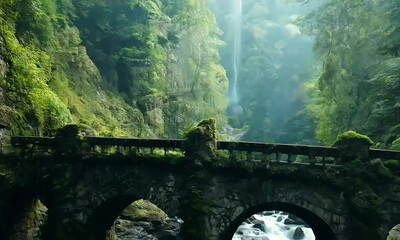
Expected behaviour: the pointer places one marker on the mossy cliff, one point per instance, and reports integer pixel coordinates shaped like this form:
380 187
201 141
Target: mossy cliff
125 68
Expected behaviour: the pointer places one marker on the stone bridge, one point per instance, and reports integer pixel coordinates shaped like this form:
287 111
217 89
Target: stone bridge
86 187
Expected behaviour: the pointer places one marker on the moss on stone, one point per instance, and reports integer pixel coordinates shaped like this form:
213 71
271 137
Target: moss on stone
346 136
201 140
196 208
69 139
352 146
393 166
144 210
205 129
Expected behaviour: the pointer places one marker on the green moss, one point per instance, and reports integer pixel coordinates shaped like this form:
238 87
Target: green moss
143 210
201 142
353 146
195 209
351 135
394 166
105 71
206 129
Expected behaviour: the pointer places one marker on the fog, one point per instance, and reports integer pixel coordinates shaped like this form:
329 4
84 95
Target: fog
268 60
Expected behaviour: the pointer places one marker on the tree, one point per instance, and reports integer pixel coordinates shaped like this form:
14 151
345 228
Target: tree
352 41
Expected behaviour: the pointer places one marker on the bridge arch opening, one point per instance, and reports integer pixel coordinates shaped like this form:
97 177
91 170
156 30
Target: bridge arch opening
129 215
26 215
321 229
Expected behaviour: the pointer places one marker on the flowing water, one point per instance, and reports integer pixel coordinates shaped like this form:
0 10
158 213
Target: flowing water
237 42
273 227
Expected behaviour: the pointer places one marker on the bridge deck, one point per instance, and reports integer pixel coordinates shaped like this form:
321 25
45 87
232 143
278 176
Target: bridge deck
254 150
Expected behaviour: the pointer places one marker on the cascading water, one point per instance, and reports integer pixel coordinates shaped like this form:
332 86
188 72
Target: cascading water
237 41
273 225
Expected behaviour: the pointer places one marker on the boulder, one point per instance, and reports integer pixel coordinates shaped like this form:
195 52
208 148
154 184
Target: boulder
143 210
394 233
293 219
144 220
298 234
260 225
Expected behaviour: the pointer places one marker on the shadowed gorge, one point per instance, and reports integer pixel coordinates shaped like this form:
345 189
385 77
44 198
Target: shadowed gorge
199 119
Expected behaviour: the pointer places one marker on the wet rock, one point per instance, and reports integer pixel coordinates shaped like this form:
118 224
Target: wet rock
260 226
298 234
394 234
293 219
144 220
168 230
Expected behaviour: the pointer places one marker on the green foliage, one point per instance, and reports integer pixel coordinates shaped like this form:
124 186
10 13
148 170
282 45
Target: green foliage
356 88
94 62
25 83
197 84
393 166
272 69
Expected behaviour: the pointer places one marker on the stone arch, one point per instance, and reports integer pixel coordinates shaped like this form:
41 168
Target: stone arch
102 218
102 193
25 213
320 228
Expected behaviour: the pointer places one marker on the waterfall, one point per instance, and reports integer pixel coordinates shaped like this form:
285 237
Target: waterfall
236 47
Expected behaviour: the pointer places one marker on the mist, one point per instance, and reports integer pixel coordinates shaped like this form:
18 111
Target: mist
267 95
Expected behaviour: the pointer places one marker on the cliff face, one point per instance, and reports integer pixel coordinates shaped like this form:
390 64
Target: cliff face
135 68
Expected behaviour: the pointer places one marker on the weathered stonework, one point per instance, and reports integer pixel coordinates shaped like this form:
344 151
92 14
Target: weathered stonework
202 141
353 146
85 194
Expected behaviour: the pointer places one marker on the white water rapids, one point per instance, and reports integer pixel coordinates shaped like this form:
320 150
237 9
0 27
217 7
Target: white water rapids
275 228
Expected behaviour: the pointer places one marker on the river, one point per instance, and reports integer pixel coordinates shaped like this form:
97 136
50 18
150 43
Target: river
273 225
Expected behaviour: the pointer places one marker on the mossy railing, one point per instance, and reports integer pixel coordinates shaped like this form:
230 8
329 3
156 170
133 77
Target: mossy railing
129 143
282 152
263 152
90 144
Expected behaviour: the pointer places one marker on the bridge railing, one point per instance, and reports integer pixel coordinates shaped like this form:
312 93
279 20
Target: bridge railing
281 152
129 143
100 144
23 142
264 152
384 154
